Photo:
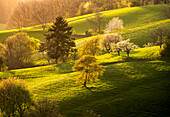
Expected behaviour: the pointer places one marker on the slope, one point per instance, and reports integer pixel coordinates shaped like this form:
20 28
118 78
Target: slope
135 86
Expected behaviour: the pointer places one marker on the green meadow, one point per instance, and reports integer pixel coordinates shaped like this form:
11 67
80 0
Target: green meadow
134 86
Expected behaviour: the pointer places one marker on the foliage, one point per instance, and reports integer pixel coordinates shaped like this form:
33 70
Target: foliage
97 21
59 40
116 48
90 69
18 50
165 51
35 43
2 64
126 46
44 108
89 113
159 35
135 3
148 45
114 24
108 39
166 12
90 47
15 98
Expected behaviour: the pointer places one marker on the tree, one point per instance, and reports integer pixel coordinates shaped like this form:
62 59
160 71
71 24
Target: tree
97 21
15 98
2 64
44 108
114 24
108 39
116 48
159 35
18 50
126 46
59 41
165 51
90 69
90 47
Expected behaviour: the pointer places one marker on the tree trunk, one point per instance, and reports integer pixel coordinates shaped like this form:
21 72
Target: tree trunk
85 80
118 53
56 61
43 26
160 46
128 53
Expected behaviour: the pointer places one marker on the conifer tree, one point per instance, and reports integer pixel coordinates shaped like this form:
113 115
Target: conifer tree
59 41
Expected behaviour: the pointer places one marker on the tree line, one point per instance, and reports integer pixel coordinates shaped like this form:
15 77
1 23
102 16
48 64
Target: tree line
41 12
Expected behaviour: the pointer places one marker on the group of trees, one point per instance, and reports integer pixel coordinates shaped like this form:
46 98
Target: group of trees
40 12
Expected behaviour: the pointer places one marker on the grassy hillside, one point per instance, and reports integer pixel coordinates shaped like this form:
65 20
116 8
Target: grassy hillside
2 27
137 86
138 22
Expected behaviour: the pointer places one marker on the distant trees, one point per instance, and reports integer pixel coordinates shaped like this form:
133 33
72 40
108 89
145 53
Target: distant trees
108 39
114 23
97 22
90 69
59 41
165 51
126 46
159 35
18 50
15 98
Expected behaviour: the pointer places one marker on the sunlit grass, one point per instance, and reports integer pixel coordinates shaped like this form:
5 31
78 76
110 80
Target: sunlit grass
132 86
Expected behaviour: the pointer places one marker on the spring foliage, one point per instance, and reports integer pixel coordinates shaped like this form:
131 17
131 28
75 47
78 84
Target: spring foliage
90 70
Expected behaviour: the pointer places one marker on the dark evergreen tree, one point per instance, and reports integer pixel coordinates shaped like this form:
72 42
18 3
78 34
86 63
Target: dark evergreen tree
59 41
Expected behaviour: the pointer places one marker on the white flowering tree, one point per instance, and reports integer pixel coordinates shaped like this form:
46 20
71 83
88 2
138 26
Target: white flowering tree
116 48
114 23
126 46
108 39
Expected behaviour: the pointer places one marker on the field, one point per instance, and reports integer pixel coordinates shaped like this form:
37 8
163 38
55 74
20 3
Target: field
137 86
138 23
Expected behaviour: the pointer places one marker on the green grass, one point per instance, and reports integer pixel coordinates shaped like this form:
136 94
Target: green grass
137 86
138 23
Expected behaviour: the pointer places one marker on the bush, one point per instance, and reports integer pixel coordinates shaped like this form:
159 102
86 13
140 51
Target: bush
15 98
166 12
165 51
89 113
2 65
114 24
44 108
134 3
18 51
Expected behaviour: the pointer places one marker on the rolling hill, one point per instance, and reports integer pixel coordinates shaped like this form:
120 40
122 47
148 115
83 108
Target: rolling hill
138 23
136 86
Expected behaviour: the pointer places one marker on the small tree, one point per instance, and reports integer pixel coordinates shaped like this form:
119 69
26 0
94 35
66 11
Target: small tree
159 35
126 46
59 41
18 50
116 48
44 108
114 24
90 47
165 51
15 98
108 39
97 21
90 69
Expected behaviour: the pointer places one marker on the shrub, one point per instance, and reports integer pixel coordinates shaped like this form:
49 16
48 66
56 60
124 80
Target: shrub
89 113
2 64
134 3
15 98
44 108
114 24
165 51
148 45
166 11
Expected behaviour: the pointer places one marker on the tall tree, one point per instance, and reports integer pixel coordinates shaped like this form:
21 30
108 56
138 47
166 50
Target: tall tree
59 41
90 69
